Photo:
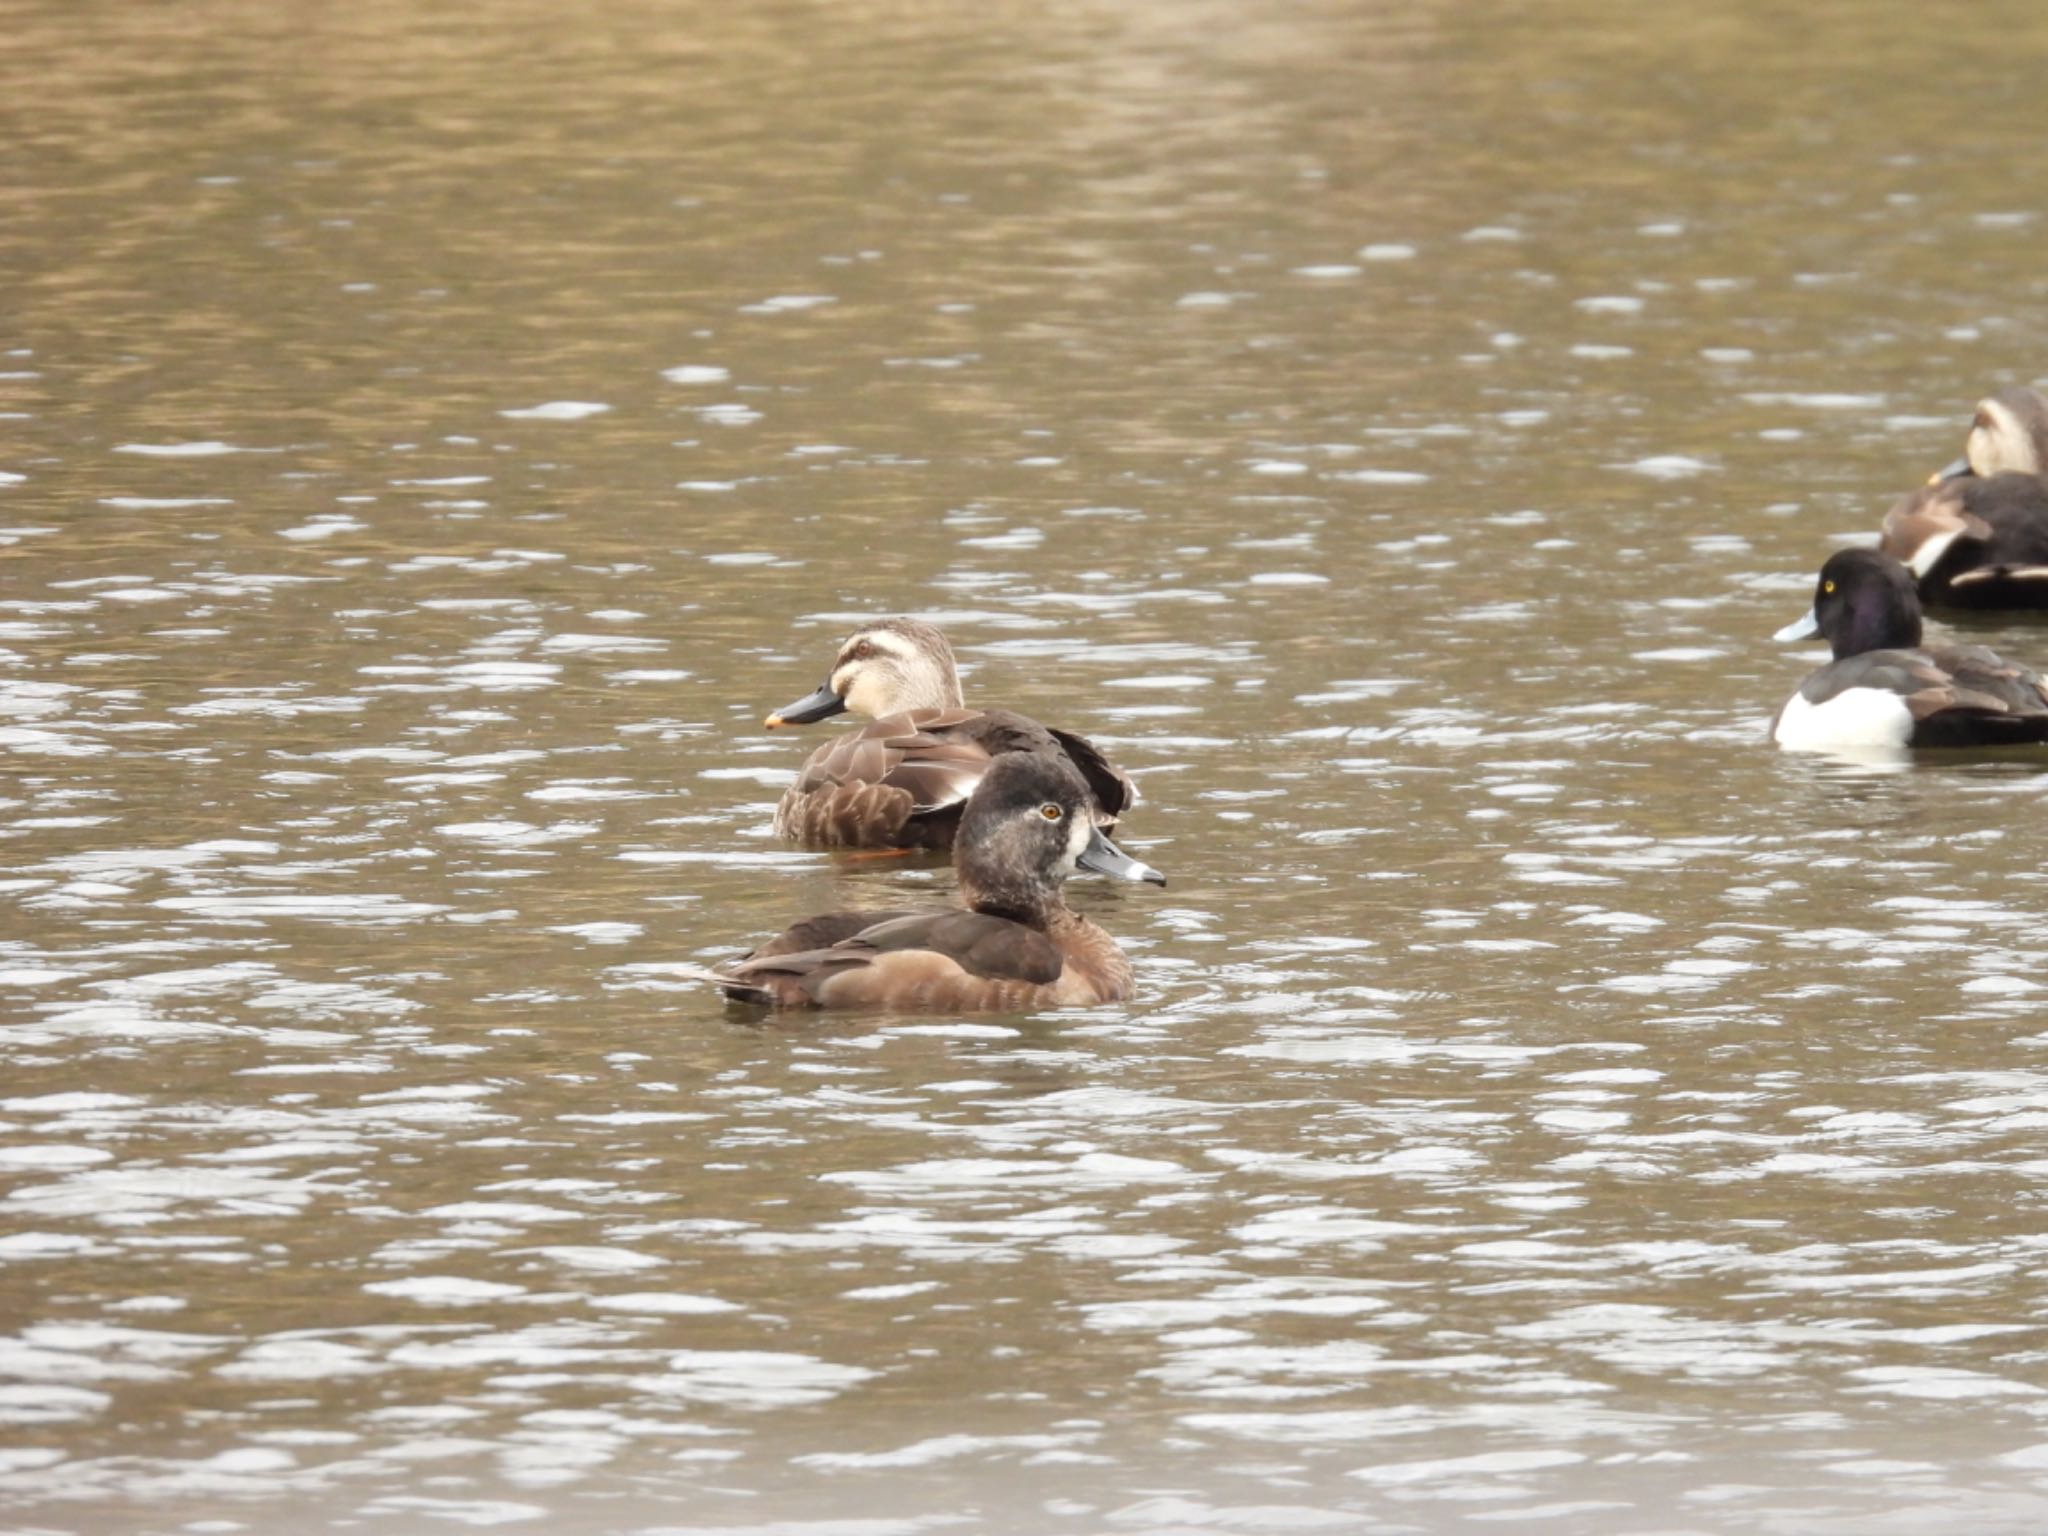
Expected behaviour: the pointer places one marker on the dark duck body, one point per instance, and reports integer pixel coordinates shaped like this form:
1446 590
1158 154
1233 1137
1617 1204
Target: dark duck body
1976 536
903 779
1015 946
1884 688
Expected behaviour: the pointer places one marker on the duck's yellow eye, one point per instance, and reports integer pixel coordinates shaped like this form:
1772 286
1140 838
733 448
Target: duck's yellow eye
1827 586
1050 811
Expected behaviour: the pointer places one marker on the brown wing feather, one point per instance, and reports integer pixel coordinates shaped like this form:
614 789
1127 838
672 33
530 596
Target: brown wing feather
849 816
888 784
1933 512
821 932
999 731
899 782
981 962
1972 695
980 943
1114 791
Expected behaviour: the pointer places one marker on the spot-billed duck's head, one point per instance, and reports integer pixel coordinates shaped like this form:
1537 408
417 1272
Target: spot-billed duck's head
2008 436
884 668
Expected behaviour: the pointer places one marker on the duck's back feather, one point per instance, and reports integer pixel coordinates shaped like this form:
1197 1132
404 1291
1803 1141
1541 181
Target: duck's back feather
912 961
980 943
1975 542
1114 791
821 932
900 782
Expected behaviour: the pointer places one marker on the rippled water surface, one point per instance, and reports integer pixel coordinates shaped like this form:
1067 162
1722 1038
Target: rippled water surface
430 441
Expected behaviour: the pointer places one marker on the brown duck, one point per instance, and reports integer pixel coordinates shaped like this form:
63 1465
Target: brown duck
1015 946
901 780
1976 535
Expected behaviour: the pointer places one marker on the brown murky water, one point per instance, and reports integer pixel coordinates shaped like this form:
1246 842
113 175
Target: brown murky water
430 442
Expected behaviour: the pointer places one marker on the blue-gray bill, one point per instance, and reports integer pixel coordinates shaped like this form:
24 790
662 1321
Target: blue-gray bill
1804 627
1953 471
1105 858
812 706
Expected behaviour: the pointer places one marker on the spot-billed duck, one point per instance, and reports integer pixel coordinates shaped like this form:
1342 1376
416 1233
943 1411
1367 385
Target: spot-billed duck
1976 535
900 780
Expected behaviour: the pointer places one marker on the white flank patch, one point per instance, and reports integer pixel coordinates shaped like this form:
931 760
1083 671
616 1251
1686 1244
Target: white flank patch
2001 573
1857 717
1929 554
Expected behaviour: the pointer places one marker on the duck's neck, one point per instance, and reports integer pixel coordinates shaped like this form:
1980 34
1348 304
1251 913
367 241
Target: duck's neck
1021 901
937 689
1877 626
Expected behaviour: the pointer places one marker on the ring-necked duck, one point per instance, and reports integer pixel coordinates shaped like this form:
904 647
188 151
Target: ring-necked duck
1976 535
900 780
1016 945
1884 688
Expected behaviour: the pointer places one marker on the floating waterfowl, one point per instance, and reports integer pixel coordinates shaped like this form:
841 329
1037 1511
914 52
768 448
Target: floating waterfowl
1884 688
1016 945
900 780
1976 535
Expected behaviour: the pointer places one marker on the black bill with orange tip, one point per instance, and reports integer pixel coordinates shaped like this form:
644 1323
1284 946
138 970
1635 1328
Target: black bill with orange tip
812 706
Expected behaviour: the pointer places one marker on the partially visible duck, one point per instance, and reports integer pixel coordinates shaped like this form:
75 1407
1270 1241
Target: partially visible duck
1884 688
1976 535
901 780
1016 945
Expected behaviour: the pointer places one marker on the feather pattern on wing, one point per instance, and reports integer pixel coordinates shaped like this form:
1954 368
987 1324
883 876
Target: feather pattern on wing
1957 695
921 961
1974 542
900 781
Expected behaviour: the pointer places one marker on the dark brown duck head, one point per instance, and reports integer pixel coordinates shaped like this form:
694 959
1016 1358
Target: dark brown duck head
1028 825
2009 436
887 667
1863 601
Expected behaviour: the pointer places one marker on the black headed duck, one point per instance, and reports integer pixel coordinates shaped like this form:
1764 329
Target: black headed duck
1976 535
1884 688
900 780
1016 945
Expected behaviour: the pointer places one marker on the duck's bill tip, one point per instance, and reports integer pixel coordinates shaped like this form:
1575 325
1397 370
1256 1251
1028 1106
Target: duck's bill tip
812 706
1954 471
1805 627
1105 858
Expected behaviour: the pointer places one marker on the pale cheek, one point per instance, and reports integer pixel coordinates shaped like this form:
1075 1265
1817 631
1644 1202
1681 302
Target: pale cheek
863 693
1079 830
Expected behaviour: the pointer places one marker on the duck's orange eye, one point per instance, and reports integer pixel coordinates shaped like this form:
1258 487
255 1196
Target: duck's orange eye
1050 811
1827 586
